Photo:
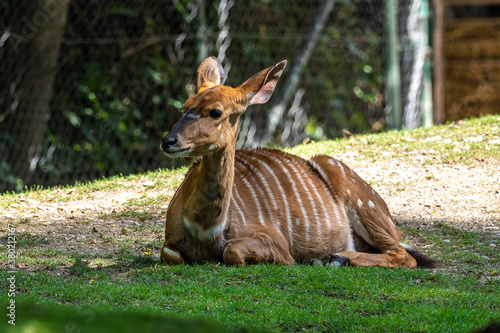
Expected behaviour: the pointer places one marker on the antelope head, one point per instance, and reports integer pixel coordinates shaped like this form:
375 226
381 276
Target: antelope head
210 120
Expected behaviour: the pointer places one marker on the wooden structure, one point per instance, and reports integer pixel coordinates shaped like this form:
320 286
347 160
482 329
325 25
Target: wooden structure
466 63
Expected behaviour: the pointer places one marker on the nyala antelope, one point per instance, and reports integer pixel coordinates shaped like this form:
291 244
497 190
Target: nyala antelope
251 206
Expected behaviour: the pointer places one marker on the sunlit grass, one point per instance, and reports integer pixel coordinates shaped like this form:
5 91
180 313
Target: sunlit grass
464 142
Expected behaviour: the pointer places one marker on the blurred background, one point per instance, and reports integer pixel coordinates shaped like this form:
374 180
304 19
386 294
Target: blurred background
88 88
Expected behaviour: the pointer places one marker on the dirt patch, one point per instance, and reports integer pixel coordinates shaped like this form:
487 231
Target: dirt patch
102 223
465 196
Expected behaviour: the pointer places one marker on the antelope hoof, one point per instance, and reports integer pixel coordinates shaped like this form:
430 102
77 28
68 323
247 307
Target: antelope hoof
337 260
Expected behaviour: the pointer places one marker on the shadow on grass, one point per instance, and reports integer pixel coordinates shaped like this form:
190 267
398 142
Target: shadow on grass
35 318
122 264
459 251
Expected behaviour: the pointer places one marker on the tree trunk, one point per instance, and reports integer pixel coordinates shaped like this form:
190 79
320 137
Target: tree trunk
293 79
29 50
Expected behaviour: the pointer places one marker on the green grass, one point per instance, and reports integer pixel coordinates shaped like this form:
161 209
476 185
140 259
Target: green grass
142 216
465 142
128 290
158 179
273 298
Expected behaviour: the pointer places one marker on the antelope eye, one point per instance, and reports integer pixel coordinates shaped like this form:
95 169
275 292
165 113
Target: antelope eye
215 113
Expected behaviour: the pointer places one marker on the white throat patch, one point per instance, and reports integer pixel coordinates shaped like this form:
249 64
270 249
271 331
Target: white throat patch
199 232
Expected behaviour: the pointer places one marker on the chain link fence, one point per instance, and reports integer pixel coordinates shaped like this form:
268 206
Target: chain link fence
89 88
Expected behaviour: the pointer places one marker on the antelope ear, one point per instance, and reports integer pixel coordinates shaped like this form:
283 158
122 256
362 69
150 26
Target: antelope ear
260 87
210 70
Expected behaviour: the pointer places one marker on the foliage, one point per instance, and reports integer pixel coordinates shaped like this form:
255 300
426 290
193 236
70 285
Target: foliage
112 101
342 80
126 67
346 76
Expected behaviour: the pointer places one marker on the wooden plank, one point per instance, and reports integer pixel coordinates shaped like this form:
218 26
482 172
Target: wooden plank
460 23
473 71
439 111
468 2
472 30
465 92
468 49
450 104
458 111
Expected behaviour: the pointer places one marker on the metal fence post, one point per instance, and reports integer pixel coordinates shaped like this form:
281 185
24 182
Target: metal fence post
393 80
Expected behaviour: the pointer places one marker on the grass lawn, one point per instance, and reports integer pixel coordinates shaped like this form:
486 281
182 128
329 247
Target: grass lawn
59 287
270 298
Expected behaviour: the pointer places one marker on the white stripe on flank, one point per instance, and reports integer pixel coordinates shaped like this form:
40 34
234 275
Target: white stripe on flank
346 218
360 203
392 221
357 225
252 173
371 204
256 199
326 180
264 181
320 201
325 215
236 198
294 187
199 232
352 172
350 243
283 197
308 195
337 163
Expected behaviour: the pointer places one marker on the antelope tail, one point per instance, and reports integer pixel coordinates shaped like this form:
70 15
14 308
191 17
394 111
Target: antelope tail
422 260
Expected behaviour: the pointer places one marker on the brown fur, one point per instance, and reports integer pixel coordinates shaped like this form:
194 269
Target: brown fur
422 260
263 205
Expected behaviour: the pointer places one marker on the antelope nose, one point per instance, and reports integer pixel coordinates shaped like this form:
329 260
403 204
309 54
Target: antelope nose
168 141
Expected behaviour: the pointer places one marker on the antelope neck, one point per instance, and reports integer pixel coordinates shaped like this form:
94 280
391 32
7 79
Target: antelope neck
214 187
